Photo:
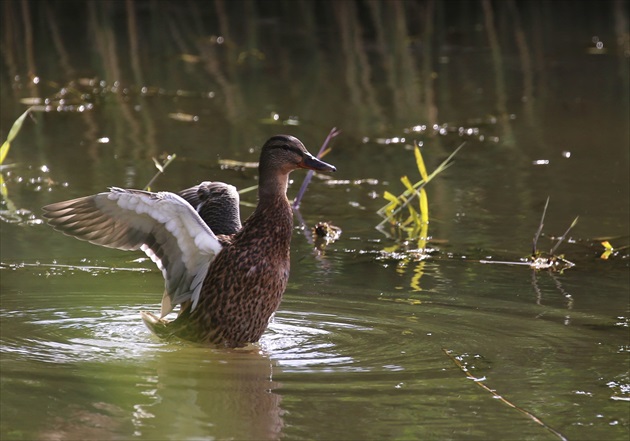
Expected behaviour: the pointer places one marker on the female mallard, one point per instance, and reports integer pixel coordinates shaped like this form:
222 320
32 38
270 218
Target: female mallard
228 287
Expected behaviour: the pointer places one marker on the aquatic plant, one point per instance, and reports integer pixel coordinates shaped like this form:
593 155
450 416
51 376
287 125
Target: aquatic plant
161 167
4 151
401 214
15 129
540 260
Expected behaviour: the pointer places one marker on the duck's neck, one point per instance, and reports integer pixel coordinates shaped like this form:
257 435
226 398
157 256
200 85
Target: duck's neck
271 223
272 187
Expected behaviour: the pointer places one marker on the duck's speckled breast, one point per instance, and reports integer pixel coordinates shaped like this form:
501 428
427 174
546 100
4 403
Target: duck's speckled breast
245 282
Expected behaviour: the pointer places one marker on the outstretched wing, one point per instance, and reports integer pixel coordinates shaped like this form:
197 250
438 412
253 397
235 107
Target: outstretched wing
163 225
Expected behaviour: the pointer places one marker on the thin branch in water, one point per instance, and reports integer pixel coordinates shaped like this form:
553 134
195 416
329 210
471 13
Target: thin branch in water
322 151
500 398
73 267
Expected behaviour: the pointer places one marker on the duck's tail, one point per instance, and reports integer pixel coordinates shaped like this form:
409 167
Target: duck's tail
158 326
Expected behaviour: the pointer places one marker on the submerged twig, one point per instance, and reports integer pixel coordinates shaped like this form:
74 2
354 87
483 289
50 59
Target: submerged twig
322 151
500 398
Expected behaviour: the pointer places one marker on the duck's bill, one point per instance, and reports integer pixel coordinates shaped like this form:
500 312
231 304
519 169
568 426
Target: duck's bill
312 163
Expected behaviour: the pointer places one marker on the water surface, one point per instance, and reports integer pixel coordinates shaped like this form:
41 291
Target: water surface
368 343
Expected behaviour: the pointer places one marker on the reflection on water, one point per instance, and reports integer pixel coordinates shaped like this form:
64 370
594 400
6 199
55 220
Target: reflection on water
146 383
96 371
223 393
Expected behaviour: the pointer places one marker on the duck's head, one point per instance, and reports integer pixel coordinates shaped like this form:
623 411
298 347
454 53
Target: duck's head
282 154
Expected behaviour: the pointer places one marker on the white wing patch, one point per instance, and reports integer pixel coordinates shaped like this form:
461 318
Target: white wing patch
163 225
197 243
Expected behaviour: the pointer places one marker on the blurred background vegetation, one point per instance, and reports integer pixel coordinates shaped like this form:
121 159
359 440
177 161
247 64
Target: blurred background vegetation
368 64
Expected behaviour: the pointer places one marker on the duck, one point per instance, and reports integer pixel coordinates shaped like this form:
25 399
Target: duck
228 283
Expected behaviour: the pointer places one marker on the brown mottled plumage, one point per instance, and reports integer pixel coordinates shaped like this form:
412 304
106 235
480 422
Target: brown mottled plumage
228 286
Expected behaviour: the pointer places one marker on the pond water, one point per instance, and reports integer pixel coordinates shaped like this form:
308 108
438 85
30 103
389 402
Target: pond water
373 340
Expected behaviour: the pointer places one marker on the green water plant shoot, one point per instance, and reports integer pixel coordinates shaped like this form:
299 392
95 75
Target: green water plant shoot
402 212
4 151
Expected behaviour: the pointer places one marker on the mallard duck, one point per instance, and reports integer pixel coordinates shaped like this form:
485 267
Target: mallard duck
227 289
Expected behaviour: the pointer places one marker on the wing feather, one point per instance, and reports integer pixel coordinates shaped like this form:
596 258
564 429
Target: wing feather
163 225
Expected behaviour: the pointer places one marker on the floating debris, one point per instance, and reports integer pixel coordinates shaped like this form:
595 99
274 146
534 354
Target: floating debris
233 164
539 260
184 117
326 232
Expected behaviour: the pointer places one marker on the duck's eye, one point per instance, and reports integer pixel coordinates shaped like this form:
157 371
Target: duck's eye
290 148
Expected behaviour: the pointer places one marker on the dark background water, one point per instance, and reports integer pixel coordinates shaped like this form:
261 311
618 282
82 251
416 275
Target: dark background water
363 346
